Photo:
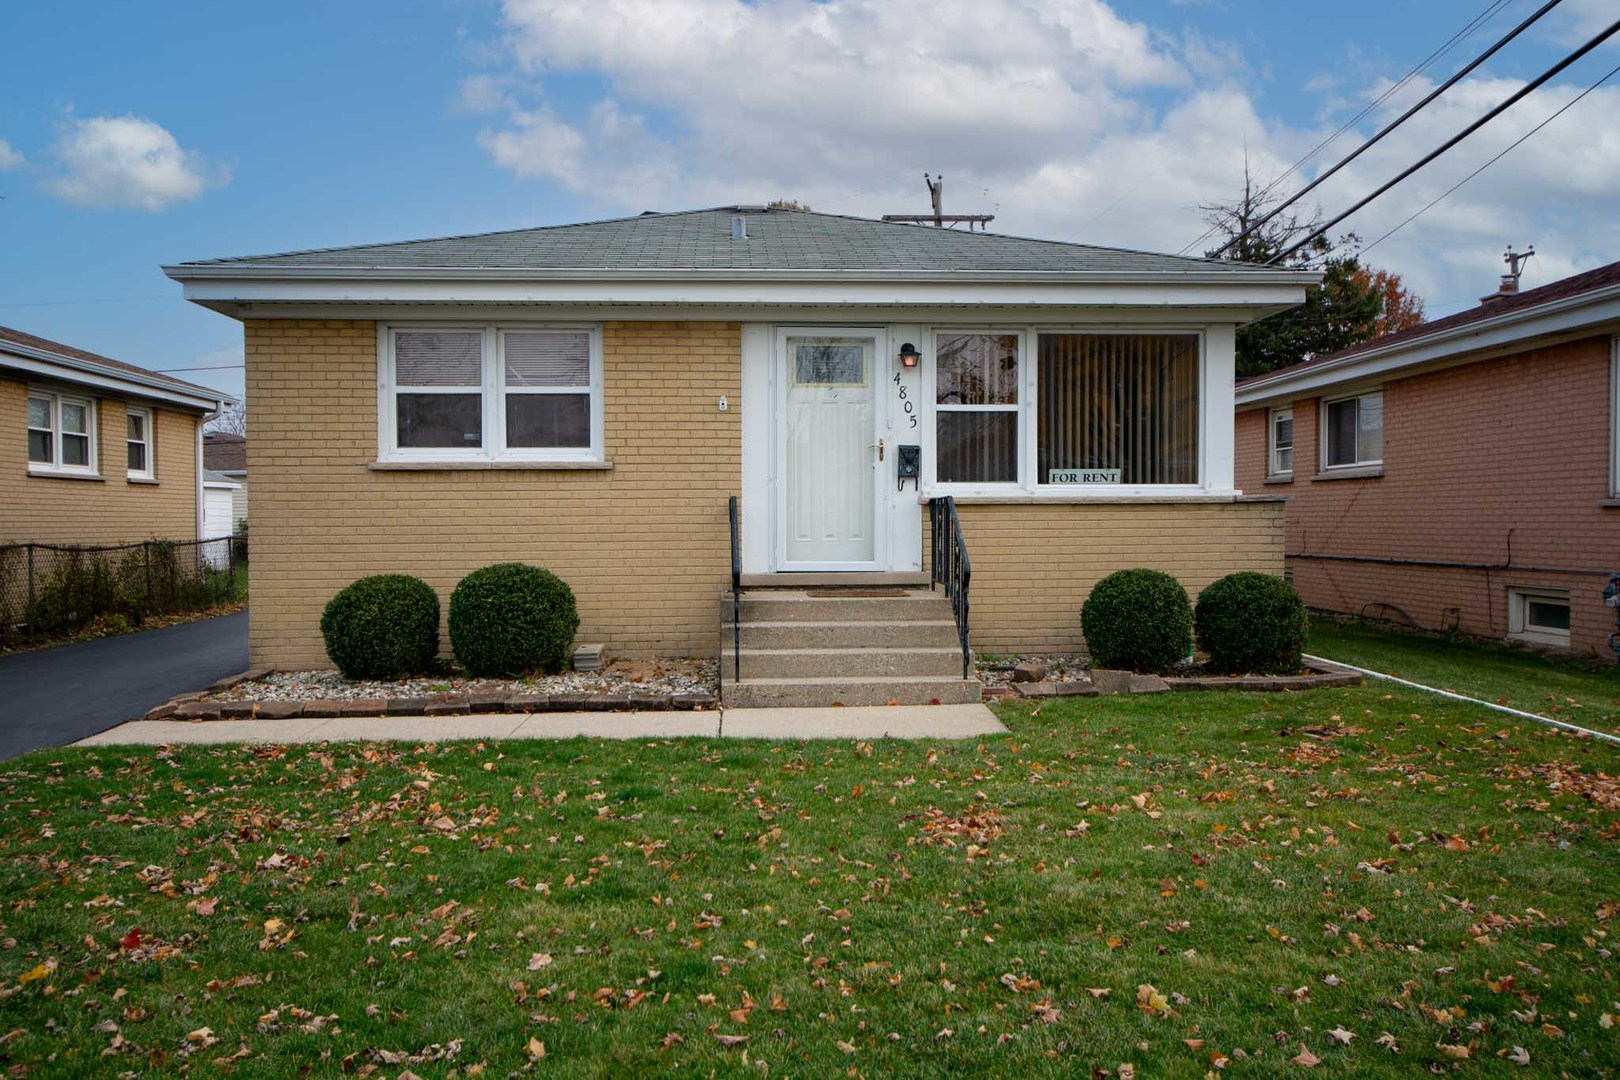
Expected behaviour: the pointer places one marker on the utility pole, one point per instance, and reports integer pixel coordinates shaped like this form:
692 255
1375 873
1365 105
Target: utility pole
939 219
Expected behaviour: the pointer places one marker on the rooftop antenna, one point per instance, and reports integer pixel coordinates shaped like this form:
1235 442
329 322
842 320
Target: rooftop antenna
1509 285
939 219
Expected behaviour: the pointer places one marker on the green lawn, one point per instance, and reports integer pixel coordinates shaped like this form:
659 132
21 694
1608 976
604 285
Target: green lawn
1373 862
1586 693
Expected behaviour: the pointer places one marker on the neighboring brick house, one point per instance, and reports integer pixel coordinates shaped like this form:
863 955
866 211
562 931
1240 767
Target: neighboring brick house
94 450
1462 474
588 397
225 453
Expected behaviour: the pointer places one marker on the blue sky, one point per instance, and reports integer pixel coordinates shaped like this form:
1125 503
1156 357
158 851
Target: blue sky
271 127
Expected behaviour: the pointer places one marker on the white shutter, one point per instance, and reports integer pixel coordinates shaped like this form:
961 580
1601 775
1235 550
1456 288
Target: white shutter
452 358
549 359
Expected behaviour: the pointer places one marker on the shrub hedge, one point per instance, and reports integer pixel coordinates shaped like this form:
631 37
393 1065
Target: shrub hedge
1251 623
1137 620
382 627
511 619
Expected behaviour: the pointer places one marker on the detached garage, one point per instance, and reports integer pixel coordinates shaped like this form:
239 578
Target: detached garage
219 494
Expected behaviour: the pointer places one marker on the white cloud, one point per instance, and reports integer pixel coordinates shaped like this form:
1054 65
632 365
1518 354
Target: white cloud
1060 116
128 161
9 158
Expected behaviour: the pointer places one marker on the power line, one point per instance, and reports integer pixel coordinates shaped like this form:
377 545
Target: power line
1513 146
1397 122
1513 99
1473 24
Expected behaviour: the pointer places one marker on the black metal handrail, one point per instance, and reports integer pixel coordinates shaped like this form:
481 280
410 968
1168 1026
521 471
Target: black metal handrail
736 594
950 567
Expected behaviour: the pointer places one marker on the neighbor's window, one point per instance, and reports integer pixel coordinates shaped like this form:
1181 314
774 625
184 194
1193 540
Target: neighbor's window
1282 443
1117 409
493 393
1353 431
976 408
139 441
1540 616
61 432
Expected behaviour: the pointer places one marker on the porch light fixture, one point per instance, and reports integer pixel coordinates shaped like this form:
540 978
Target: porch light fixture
909 356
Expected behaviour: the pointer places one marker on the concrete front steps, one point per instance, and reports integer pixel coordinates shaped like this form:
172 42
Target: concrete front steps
847 645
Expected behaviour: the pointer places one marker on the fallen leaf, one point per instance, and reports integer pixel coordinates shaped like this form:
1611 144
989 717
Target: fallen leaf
1455 1053
729 1041
1518 1055
1305 1057
846 1047
536 1049
1341 1036
539 960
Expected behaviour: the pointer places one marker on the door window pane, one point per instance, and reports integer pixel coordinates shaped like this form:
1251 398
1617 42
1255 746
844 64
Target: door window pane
976 369
977 447
829 362
440 420
1125 402
548 420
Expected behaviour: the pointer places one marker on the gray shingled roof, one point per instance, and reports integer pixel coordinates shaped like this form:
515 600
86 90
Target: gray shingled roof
702 240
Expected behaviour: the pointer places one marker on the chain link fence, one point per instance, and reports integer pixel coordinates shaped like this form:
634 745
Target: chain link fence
49 590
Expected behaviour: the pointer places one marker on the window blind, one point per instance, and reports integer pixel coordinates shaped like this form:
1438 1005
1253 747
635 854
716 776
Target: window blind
551 359
438 359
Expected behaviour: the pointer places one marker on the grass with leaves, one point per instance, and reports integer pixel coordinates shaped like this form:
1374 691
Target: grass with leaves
1581 692
1372 879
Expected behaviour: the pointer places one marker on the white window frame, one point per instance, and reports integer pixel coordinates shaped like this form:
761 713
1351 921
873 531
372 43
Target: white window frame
1519 626
934 408
56 466
492 390
1324 407
148 418
1614 418
1274 471
1029 485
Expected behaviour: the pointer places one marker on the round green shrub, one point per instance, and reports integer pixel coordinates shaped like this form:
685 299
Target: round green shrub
1137 620
1251 623
510 619
382 627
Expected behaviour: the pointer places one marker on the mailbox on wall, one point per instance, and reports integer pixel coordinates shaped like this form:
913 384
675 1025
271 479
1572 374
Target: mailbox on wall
908 465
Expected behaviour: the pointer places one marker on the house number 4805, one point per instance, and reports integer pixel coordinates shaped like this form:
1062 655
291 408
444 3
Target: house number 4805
909 406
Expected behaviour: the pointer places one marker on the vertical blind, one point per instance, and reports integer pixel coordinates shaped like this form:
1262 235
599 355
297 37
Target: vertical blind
1119 401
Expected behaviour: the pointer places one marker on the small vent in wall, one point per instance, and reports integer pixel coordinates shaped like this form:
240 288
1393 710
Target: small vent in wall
739 227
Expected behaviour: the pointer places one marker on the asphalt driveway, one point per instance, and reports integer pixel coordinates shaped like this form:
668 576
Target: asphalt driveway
54 696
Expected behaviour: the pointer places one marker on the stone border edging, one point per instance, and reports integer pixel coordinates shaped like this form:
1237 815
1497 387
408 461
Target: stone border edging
1320 677
191 706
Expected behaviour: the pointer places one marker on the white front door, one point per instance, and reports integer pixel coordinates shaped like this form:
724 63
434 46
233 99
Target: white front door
830 449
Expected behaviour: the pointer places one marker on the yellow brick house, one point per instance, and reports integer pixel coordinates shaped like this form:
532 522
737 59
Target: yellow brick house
94 450
591 397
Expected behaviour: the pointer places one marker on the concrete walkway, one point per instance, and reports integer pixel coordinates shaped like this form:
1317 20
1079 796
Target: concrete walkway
878 722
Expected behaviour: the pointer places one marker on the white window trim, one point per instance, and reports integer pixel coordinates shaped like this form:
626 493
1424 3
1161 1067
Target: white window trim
493 396
1322 410
1614 418
1519 628
1028 485
56 467
1273 472
150 442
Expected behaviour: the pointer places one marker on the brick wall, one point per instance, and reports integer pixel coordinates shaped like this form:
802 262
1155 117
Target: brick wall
1035 564
1502 460
644 545
108 510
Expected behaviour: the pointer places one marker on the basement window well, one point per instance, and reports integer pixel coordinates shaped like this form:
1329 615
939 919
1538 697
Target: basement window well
1539 616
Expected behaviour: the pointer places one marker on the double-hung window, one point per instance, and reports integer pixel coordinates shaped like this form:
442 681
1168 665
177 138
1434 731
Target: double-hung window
1353 431
138 439
61 433
491 394
976 405
1280 447
1086 409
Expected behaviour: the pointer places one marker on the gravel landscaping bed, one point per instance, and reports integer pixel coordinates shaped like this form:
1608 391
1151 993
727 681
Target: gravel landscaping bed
622 686
998 670
625 676
1062 676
